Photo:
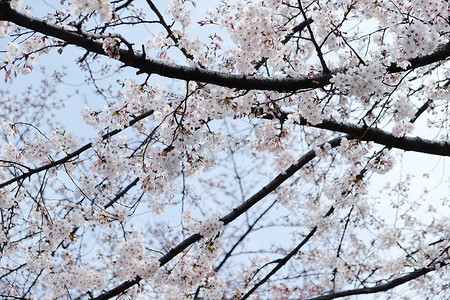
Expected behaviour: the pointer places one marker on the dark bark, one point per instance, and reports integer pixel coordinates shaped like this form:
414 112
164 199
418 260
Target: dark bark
376 135
378 288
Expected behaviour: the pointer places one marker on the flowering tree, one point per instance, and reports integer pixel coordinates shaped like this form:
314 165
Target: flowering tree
235 161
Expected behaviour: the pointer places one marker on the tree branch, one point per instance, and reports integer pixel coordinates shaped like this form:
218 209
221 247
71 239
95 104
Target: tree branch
313 40
378 288
249 229
169 30
376 135
74 153
149 66
306 158
285 259
122 193
298 28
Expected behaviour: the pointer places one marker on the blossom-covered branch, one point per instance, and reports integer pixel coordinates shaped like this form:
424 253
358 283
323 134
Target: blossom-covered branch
73 154
151 66
230 217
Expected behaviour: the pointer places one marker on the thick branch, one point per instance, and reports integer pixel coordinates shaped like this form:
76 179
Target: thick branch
298 28
378 136
387 139
378 288
149 66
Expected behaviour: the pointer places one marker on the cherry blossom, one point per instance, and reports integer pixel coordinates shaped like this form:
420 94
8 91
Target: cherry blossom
102 7
224 149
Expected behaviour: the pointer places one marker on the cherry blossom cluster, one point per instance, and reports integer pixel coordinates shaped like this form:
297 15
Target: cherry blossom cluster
41 148
382 162
417 38
17 60
5 28
112 47
284 159
16 4
353 150
208 228
180 12
131 262
256 30
64 141
102 7
111 157
402 129
268 137
10 63
308 107
362 82
12 50
76 279
322 152
285 196
11 153
6 201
